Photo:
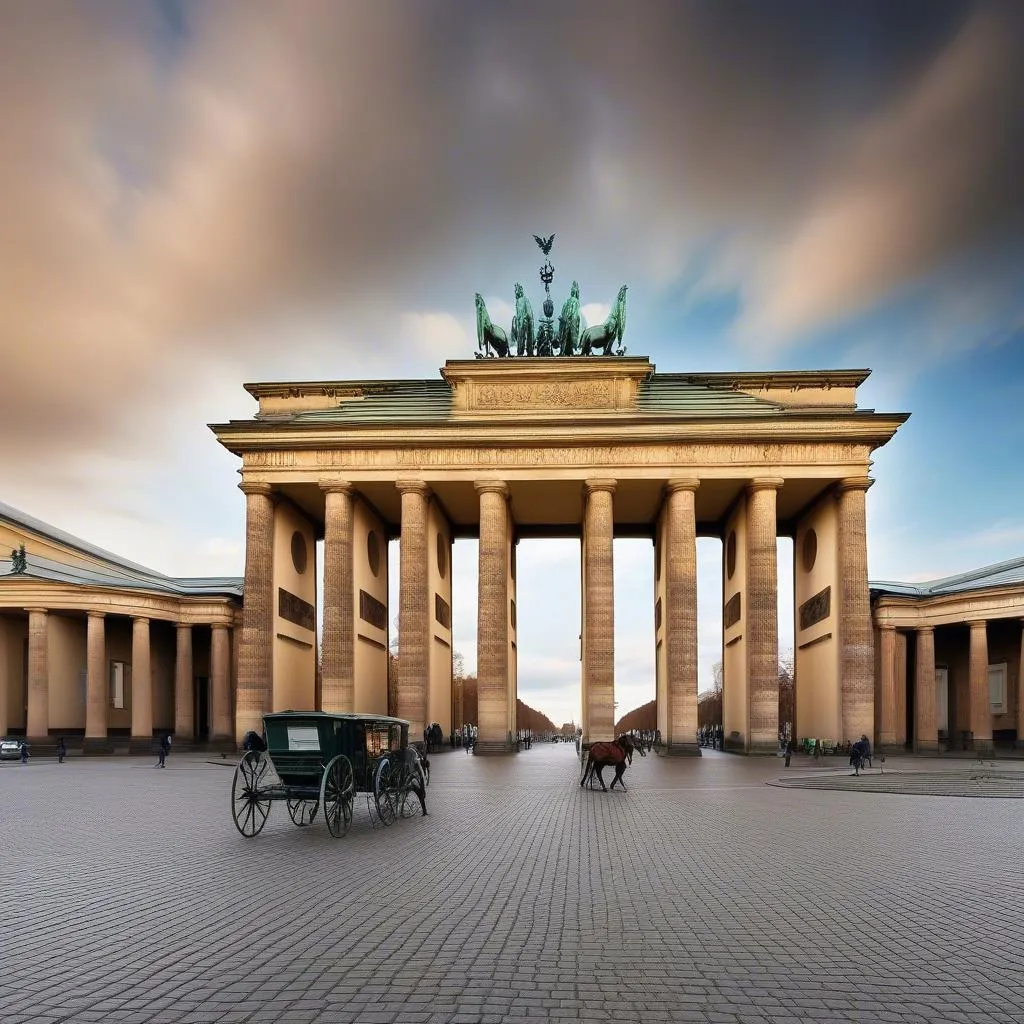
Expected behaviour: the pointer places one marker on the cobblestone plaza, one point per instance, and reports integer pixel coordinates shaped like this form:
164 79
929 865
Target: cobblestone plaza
701 894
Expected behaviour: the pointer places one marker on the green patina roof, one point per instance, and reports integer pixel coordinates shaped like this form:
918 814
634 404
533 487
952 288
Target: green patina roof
682 395
392 401
428 401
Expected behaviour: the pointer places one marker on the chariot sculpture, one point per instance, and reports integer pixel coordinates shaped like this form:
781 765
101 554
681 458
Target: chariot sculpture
571 336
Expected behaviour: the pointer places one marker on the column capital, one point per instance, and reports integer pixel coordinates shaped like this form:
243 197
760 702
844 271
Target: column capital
491 487
599 484
978 624
184 626
93 614
681 484
337 486
925 629
141 619
887 627
38 611
420 487
765 483
248 487
853 483
219 625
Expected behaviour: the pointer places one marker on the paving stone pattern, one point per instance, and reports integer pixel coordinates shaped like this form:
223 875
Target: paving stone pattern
701 894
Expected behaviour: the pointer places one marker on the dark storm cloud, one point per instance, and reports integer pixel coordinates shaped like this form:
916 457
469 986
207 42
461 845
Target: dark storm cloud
185 186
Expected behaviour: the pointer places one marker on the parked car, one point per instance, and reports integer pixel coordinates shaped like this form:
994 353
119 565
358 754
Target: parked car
10 749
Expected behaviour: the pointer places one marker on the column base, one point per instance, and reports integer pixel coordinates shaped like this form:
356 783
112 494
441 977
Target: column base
926 749
487 748
142 745
679 750
98 746
983 746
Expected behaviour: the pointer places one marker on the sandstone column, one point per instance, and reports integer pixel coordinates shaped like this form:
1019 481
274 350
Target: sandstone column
492 657
599 631
680 617
97 697
980 699
1020 694
762 616
887 656
926 727
856 638
220 681
414 612
337 691
37 725
184 719
256 649
142 688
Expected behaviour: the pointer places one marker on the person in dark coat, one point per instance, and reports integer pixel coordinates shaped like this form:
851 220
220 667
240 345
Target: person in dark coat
62 750
165 749
412 761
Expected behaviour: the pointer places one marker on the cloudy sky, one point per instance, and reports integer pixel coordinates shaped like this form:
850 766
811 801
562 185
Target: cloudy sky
193 195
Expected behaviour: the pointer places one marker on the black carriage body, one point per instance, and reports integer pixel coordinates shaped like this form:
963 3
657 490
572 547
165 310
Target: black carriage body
301 743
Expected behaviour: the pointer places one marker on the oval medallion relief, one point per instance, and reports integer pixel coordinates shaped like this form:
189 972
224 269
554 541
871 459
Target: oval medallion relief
809 550
300 556
373 552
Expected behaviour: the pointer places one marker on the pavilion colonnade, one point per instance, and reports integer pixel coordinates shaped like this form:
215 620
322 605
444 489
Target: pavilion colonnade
133 684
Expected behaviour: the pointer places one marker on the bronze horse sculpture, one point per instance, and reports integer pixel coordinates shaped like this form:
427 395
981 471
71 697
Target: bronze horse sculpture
616 754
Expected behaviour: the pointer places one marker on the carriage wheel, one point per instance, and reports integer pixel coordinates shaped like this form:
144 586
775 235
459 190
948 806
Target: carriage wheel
413 777
424 768
249 808
302 811
337 794
385 791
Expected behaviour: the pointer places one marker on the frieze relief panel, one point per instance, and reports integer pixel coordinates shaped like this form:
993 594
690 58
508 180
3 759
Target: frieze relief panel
599 394
598 456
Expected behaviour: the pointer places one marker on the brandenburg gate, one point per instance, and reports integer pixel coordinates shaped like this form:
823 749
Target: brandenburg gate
561 444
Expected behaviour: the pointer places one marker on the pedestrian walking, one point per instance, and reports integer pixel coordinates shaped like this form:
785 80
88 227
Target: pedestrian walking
62 750
790 747
165 749
24 752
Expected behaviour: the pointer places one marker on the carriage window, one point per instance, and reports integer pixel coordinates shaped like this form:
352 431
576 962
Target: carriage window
396 737
303 737
377 740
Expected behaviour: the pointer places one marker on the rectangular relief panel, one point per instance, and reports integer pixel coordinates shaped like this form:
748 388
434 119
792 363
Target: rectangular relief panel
291 607
816 608
372 611
733 610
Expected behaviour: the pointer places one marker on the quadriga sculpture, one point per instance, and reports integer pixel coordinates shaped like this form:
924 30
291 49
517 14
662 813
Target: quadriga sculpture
569 322
604 336
523 330
487 335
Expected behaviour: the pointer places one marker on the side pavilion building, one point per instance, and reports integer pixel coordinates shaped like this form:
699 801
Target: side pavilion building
503 449
106 652
950 659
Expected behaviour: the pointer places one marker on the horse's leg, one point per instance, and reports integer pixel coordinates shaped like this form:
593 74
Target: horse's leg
600 778
619 769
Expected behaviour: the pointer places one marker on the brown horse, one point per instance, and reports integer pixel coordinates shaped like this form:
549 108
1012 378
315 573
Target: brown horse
616 754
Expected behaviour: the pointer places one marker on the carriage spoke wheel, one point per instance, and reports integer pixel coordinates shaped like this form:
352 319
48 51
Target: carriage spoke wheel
302 811
385 793
408 801
249 807
337 794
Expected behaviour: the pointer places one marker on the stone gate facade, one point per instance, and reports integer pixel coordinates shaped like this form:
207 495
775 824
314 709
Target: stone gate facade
502 449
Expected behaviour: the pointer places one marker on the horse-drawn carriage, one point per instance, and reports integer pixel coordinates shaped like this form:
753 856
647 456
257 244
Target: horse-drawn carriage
314 760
